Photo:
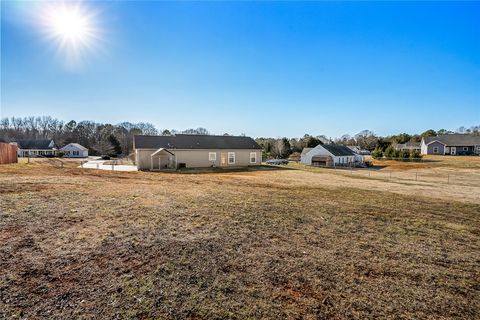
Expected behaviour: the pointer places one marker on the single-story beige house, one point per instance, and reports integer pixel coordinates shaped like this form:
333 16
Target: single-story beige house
195 151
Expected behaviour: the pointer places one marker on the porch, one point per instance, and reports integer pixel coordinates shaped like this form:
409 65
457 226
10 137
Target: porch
163 159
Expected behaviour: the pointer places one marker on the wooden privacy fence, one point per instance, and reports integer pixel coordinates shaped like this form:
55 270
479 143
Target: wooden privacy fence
8 153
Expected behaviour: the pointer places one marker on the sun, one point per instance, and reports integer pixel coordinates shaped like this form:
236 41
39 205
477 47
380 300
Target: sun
71 27
69 24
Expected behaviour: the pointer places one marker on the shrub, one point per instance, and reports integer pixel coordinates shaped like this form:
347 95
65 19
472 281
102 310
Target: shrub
415 154
390 152
404 154
377 153
60 154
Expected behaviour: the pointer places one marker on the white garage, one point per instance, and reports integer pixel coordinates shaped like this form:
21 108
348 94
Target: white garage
74 150
329 155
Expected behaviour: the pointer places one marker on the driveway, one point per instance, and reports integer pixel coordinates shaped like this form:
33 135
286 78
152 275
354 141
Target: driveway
99 164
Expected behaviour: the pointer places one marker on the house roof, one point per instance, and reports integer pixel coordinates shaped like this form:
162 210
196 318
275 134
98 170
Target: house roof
338 150
192 141
35 144
305 151
456 139
358 150
408 145
76 145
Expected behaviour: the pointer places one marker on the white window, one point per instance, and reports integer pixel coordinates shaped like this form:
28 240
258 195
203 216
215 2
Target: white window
212 156
478 148
231 157
435 149
76 153
253 157
465 148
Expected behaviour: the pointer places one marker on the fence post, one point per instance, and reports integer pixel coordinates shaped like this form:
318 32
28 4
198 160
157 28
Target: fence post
112 166
81 164
98 166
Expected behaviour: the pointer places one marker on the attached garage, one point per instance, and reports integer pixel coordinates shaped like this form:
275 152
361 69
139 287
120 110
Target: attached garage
322 161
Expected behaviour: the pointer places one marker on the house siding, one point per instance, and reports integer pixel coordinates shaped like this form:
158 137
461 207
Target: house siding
441 148
423 147
200 158
81 152
36 152
460 151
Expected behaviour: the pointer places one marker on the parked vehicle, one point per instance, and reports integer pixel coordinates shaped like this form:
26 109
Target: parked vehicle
105 157
277 161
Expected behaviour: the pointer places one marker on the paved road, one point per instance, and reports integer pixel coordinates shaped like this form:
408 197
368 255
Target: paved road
98 164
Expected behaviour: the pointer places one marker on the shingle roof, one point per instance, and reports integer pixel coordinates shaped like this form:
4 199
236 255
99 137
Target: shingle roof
35 144
456 139
188 141
338 150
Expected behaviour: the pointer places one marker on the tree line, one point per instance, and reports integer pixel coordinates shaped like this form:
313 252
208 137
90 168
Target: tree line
117 139
366 140
99 138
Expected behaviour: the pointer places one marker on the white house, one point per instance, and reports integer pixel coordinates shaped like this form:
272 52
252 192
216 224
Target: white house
74 150
36 148
330 155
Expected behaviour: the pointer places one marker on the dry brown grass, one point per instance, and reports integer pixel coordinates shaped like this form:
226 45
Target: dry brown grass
266 244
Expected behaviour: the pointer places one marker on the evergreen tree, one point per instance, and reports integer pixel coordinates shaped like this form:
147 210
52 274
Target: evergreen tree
117 147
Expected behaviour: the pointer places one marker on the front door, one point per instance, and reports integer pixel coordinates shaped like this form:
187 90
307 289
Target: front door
223 159
453 151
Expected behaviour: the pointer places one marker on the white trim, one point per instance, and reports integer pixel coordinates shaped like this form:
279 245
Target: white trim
254 156
160 150
435 151
228 157
435 141
212 156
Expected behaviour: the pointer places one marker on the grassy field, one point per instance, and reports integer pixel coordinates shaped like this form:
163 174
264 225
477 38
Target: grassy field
272 244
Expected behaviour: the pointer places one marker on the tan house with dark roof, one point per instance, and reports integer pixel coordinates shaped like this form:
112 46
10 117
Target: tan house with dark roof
195 151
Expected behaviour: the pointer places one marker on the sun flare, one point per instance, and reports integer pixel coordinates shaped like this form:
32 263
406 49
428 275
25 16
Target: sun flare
71 28
69 25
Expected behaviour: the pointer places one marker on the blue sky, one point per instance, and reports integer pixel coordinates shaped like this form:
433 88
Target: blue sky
263 69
